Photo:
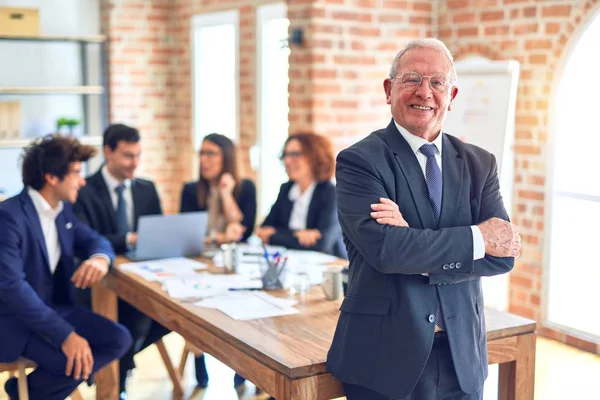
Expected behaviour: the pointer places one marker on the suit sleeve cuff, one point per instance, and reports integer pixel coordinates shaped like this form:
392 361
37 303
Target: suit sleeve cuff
478 243
101 255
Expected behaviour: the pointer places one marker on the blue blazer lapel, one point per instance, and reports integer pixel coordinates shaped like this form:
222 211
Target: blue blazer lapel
413 174
65 237
33 220
453 166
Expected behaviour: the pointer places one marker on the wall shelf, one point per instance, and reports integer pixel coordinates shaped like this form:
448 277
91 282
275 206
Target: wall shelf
52 90
57 38
19 143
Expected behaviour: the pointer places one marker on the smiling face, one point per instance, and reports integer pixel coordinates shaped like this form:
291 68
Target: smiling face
297 164
67 189
123 160
421 111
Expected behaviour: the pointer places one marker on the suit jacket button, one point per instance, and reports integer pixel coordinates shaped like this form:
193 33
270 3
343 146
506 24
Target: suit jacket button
458 265
446 266
431 318
452 265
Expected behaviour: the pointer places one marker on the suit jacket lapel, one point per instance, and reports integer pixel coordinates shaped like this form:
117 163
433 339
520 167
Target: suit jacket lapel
62 227
137 203
312 208
36 227
98 181
452 178
412 171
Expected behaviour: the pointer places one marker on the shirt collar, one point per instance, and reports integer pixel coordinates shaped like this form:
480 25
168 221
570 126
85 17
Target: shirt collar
41 205
415 142
295 194
112 182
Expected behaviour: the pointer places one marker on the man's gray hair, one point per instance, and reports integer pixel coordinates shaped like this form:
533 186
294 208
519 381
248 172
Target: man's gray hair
430 43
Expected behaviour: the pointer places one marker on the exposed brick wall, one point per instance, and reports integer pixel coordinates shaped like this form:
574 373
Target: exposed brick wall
141 87
538 34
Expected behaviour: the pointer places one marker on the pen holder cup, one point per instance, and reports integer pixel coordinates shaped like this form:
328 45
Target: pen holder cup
271 276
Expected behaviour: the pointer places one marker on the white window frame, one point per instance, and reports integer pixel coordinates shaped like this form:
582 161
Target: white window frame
551 190
264 13
204 21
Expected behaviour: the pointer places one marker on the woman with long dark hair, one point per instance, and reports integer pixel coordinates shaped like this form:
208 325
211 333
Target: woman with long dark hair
229 201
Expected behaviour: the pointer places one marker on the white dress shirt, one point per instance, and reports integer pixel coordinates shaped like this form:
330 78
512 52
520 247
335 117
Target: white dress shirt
112 183
415 143
47 216
301 203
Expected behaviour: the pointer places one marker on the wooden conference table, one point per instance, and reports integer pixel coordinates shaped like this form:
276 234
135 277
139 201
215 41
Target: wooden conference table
285 356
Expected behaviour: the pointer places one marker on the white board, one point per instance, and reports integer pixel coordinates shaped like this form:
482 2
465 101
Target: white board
483 113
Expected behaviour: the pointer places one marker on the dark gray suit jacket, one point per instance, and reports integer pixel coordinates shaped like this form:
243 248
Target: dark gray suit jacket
386 327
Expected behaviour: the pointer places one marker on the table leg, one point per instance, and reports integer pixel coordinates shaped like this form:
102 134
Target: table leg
104 302
517 378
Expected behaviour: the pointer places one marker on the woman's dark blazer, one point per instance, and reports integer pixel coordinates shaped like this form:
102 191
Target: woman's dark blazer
322 215
246 201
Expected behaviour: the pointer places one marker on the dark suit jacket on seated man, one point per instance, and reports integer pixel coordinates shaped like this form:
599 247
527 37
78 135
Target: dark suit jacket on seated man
111 203
421 225
39 238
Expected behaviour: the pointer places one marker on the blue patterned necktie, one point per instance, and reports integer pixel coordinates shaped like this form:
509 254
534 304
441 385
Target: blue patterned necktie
122 224
433 177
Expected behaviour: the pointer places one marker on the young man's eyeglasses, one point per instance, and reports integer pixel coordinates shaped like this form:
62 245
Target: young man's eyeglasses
412 80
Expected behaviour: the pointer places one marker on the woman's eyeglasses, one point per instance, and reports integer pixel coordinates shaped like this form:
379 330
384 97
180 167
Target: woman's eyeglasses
209 154
294 155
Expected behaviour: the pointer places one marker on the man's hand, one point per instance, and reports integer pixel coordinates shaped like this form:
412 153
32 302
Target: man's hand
501 238
308 237
234 232
80 360
131 238
386 212
265 233
226 183
90 272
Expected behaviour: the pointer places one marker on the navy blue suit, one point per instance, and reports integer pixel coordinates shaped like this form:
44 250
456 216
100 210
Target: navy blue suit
386 328
36 306
321 215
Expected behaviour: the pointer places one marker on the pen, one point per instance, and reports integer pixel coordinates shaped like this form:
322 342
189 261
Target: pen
238 289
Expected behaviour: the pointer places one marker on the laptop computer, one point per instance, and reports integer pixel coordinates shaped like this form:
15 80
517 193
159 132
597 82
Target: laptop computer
165 236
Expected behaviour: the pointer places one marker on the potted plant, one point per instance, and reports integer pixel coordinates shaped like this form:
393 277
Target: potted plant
70 123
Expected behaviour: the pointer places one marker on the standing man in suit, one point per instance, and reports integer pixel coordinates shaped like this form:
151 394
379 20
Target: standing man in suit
112 203
39 238
423 220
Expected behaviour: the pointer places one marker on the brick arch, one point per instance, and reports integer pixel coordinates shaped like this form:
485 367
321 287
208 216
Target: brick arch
476 49
571 32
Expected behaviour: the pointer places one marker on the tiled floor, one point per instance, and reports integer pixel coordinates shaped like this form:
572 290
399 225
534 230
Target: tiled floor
562 373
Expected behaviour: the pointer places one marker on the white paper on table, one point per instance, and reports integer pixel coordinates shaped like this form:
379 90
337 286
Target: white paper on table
219 281
309 257
164 269
245 306
182 289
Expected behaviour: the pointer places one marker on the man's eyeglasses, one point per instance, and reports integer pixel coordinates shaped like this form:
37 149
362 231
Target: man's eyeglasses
209 154
294 155
412 80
